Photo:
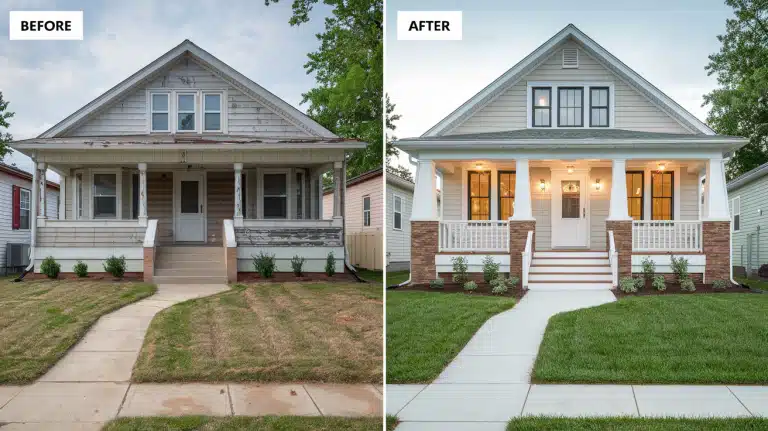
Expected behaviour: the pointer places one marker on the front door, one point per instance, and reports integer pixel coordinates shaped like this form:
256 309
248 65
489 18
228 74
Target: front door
570 222
189 213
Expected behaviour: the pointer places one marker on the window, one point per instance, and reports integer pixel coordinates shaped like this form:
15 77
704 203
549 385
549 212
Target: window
299 194
542 106
506 194
24 198
79 179
635 182
570 102
186 112
571 199
598 107
134 196
275 196
736 213
397 206
104 195
366 210
479 195
662 195
212 112
160 110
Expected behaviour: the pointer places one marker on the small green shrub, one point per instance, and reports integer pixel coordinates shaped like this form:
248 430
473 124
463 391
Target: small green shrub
115 266
627 285
649 268
460 269
680 268
490 269
687 285
330 265
50 267
512 281
719 284
437 283
80 269
470 286
264 264
499 286
659 283
297 264
639 282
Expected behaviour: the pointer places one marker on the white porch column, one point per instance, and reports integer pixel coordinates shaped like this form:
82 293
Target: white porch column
338 185
716 199
63 197
238 195
34 205
523 207
424 193
41 195
619 209
142 194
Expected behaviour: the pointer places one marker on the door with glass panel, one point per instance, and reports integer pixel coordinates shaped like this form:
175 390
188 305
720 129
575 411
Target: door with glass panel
189 219
570 218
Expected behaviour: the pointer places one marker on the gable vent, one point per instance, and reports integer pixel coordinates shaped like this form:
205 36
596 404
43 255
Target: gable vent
570 58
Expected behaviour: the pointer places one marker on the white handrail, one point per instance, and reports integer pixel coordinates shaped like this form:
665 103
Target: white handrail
666 235
149 235
229 234
527 258
613 259
473 235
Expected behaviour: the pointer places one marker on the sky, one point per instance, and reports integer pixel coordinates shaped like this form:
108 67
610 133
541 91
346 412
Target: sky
45 81
667 42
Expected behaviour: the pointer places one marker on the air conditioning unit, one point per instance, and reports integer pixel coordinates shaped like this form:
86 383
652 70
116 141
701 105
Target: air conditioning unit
16 256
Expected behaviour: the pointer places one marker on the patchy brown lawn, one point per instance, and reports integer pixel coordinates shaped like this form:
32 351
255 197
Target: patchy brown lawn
41 319
316 332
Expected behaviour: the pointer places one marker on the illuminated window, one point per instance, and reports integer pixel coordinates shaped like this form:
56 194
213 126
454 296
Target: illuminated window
662 195
506 194
479 195
542 107
635 195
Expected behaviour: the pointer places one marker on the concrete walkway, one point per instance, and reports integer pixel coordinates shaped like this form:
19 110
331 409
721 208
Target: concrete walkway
91 384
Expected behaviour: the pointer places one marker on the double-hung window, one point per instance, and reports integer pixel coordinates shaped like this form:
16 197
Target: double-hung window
24 211
397 206
185 107
275 196
598 107
212 112
104 195
542 107
736 213
635 194
366 210
506 194
570 102
160 109
662 195
479 195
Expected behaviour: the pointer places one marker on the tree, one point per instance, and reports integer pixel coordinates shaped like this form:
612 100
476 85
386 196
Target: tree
401 171
348 66
5 137
740 106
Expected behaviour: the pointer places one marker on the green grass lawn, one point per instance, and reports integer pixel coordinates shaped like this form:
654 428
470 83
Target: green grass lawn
636 424
375 277
238 423
425 331
42 319
686 339
757 284
397 277
309 332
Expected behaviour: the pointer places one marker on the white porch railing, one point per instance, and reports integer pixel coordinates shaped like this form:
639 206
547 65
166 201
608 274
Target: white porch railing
473 235
666 235
613 259
527 258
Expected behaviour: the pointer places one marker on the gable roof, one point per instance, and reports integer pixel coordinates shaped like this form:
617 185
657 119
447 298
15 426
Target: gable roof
24 175
755 174
187 48
540 54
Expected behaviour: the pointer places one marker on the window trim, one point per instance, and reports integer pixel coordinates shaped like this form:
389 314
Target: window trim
394 211
368 211
555 85
178 111
220 111
671 198
499 197
173 114
642 192
469 194
734 214
288 197
150 107
29 219
534 107
607 106
118 189
581 124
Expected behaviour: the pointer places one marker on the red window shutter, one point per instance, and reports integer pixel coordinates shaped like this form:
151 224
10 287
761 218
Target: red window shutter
16 207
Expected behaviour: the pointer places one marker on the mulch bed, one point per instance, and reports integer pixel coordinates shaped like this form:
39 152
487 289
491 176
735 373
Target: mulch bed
283 277
483 289
128 276
674 289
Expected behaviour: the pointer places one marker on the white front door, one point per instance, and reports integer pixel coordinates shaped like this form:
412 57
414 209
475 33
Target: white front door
570 219
189 213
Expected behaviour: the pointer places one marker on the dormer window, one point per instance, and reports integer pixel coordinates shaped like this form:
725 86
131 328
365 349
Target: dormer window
160 109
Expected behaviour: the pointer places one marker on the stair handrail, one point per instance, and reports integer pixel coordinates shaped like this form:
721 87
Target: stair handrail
527 259
229 234
150 233
613 259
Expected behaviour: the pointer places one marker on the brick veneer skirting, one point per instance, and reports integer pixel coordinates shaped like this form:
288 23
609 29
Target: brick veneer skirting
716 240
423 250
622 237
518 235
149 264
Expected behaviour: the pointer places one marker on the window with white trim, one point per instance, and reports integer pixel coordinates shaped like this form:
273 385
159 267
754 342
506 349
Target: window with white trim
212 112
24 208
598 107
104 195
736 213
366 210
570 102
185 107
397 207
160 109
275 196
542 107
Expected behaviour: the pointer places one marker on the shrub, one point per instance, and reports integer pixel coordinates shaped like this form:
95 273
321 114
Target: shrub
649 268
763 271
330 265
264 264
437 283
687 285
459 269
659 283
680 268
297 264
627 285
490 269
115 266
81 269
512 281
50 267
639 282
470 286
719 284
499 286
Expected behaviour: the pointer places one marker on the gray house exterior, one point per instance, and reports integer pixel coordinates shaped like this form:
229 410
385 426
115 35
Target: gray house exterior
748 200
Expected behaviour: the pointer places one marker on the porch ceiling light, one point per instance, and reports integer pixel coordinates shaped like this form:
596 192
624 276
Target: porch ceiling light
478 166
542 185
662 166
570 169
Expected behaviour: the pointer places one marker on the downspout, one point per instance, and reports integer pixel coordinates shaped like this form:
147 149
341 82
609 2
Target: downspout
343 198
730 238
33 222
412 161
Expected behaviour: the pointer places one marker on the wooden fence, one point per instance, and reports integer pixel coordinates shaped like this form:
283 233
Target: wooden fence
366 250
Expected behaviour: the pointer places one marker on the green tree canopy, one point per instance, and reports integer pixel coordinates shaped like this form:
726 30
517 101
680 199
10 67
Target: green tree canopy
740 106
5 137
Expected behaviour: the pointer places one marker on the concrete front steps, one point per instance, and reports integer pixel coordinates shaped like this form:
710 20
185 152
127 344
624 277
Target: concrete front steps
190 265
569 270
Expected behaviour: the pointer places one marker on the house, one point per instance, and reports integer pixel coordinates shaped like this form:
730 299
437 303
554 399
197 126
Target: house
15 220
748 198
568 170
188 169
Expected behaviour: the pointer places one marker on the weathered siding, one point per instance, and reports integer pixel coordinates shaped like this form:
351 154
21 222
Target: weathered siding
160 204
221 203
289 237
399 241
754 198
633 111
50 236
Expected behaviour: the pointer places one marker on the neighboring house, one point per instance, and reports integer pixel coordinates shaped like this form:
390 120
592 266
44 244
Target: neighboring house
188 151
15 215
748 197
569 169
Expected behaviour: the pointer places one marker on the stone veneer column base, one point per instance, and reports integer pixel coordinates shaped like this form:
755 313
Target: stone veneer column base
424 248
622 237
149 264
518 235
230 260
716 241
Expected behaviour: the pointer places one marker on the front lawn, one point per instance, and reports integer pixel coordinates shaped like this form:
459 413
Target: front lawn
285 332
636 424
426 330
397 277
686 339
41 320
237 423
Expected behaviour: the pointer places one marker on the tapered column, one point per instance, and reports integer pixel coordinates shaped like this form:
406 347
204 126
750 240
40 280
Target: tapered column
619 210
338 185
42 168
716 202
238 195
142 194
523 208
424 193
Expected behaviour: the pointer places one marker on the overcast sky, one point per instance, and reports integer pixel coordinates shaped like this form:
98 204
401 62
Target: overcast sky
45 81
667 42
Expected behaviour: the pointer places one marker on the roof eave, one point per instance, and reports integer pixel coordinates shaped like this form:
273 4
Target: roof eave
34 145
750 176
547 144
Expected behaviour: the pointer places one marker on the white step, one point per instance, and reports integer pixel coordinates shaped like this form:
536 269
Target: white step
570 269
566 254
166 263
569 261
196 279
568 286
569 277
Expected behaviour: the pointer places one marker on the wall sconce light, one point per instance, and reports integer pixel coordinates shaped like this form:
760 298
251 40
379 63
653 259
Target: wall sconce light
478 166
542 185
662 166
570 169
598 186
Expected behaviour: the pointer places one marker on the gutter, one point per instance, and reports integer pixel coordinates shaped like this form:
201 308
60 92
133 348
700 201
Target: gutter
538 144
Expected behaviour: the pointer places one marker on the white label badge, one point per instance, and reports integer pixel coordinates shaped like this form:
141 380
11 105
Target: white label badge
46 25
428 25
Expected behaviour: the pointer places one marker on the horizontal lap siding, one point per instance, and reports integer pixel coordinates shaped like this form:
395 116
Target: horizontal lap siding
289 237
689 195
354 210
399 241
90 236
160 204
221 203
452 196
542 208
753 198
599 205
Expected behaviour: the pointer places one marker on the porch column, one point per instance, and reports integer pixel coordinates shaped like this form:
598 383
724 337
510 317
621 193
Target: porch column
716 199
42 167
63 197
619 221
619 209
522 220
238 221
716 225
338 185
33 205
523 208
425 192
425 225
142 194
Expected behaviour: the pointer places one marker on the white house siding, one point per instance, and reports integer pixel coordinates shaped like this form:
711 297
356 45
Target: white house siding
508 111
541 206
353 213
599 204
399 241
753 198
129 116
689 195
